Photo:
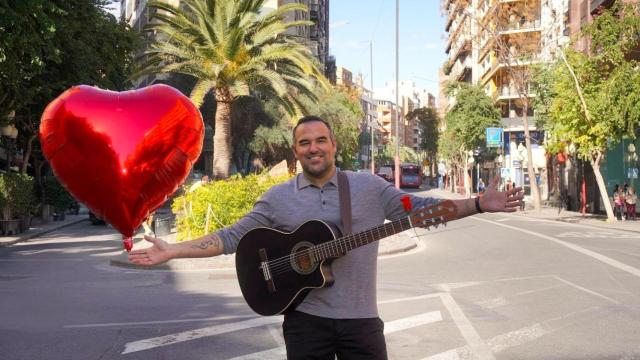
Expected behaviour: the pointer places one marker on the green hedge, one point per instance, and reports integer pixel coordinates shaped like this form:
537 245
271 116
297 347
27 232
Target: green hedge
219 203
17 195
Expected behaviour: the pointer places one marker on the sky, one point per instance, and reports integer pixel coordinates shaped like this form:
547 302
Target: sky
353 23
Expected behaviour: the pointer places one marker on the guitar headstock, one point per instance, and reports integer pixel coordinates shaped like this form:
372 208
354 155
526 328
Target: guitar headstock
434 215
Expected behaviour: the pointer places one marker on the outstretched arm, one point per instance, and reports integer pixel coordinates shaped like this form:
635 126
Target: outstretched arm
492 200
161 251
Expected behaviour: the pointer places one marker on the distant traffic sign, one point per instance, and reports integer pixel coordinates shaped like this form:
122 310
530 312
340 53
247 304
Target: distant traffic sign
494 137
505 173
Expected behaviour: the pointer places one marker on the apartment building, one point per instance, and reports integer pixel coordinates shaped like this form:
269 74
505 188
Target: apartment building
316 36
410 97
493 44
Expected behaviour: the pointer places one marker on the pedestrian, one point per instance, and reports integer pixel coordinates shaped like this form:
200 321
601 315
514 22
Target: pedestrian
509 185
480 186
203 181
340 320
631 199
618 202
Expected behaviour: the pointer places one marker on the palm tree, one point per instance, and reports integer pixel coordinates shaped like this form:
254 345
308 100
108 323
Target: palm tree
231 49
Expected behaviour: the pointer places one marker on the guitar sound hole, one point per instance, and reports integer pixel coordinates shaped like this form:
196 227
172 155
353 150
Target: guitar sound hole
303 261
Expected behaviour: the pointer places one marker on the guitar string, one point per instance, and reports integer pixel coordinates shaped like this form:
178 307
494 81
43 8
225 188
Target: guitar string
283 264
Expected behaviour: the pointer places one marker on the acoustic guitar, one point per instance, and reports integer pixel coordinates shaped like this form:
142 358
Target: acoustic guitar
276 269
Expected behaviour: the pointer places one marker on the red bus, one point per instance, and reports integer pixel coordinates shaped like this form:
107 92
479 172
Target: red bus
410 175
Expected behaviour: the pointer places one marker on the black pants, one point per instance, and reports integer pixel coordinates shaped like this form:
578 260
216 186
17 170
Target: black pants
312 337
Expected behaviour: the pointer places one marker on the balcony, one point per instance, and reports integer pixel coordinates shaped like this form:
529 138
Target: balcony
510 92
520 26
460 68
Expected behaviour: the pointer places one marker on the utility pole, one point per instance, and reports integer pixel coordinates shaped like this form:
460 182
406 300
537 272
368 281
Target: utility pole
373 165
397 157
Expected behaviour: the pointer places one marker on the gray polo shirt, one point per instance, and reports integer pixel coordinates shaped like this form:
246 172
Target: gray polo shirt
286 206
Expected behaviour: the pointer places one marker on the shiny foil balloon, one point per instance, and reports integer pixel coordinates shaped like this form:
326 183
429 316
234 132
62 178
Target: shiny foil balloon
122 154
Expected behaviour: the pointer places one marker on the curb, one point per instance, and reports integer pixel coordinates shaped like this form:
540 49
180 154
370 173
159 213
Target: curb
28 236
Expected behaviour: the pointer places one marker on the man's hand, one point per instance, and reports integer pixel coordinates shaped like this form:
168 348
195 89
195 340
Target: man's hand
157 254
501 201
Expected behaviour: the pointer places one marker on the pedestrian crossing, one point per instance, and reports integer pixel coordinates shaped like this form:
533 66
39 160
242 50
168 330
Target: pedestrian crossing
450 314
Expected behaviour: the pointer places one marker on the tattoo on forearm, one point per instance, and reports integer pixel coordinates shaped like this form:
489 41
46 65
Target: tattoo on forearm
211 240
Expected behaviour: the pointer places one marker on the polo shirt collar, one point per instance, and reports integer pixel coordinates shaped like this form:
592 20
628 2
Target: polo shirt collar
303 182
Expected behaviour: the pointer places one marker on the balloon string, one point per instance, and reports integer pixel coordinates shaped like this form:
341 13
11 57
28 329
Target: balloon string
127 243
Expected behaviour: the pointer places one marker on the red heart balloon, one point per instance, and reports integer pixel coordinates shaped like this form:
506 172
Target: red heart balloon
122 153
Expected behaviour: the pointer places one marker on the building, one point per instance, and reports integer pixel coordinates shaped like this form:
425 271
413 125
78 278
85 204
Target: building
411 98
493 44
316 36
344 77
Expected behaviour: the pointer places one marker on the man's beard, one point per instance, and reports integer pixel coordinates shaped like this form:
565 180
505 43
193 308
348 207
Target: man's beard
317 171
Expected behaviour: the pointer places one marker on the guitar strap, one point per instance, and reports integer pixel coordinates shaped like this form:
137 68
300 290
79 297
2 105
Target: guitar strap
345 202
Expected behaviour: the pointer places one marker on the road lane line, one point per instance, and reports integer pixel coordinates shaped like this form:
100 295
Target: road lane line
410 298
607 260
138 323
474 341
586 290
198 333
389 328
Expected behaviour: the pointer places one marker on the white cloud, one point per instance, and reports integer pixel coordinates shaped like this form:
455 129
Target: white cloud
338 24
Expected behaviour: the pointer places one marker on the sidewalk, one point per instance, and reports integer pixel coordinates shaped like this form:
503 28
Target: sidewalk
38 228
553 213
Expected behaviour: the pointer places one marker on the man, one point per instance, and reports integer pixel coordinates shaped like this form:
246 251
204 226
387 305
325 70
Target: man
340 320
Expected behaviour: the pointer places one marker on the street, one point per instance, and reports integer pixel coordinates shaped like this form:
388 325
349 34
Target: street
493 286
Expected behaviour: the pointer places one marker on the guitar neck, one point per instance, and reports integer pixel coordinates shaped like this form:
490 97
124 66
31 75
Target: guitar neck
341 246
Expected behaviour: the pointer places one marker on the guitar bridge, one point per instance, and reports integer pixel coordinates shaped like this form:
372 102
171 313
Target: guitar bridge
266 271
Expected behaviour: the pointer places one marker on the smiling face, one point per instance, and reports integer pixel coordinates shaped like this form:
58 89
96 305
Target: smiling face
315 148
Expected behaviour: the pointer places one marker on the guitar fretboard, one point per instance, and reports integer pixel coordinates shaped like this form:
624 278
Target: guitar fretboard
341 246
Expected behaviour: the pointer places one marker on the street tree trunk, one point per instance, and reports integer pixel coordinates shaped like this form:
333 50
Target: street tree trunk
27 153
535 191
595 164
222 150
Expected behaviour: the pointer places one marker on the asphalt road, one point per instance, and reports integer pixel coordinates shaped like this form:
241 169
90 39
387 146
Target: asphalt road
488 287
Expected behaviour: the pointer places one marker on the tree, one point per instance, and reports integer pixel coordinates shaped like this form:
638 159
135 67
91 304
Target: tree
597 96
465 124
515 52
232 50
388 153
428 122
343 113
49 46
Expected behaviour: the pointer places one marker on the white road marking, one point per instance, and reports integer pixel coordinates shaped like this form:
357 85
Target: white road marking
599 234
503 219
492 303
198 333
474 341
412 321
497 344
586 290
447 287
138 323
389 328
411 298
607 260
